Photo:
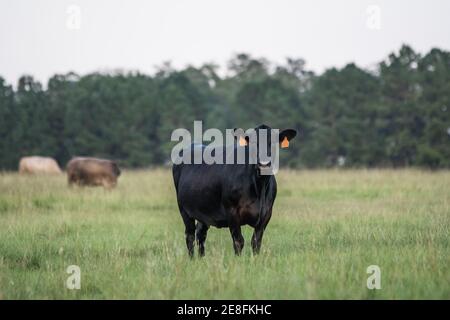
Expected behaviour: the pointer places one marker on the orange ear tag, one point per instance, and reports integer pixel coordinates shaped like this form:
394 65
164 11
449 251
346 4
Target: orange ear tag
242 142
285 143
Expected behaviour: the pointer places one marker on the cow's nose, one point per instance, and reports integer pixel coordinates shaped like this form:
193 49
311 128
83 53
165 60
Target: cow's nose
264 163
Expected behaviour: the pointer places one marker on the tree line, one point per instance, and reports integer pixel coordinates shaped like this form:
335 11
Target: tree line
393 116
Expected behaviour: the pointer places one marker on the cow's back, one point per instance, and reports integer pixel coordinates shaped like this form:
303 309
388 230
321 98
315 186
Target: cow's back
92 171
36 164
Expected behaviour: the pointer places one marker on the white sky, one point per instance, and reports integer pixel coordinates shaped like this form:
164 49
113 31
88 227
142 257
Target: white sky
139 34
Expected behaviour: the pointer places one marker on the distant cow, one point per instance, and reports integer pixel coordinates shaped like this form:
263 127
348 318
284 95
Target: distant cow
32 165
227 195
92 172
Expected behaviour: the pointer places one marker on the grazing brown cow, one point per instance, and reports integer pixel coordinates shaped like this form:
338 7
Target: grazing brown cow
32 165
92 172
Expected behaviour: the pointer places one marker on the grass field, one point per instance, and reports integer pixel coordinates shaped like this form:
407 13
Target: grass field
326 229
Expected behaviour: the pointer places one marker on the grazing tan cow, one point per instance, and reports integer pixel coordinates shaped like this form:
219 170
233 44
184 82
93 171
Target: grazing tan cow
32 165
92 172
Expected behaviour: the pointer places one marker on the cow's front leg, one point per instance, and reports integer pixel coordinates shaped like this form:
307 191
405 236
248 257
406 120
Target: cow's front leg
238 239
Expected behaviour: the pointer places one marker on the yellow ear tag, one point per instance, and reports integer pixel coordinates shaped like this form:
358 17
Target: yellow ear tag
242 142
285 143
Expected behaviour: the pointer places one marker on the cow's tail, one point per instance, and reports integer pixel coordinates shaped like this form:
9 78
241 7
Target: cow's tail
176 172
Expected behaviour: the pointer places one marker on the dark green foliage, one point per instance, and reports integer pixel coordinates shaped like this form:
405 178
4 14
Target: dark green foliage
398 115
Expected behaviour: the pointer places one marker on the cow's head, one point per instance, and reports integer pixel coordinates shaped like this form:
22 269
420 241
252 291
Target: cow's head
115 169
260 138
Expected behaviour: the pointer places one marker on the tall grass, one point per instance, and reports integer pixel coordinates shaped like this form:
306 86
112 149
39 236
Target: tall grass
327 228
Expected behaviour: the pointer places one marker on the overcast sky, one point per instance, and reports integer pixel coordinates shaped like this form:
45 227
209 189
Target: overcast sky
46 37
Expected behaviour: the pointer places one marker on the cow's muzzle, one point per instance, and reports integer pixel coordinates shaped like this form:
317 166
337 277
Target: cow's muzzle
264 164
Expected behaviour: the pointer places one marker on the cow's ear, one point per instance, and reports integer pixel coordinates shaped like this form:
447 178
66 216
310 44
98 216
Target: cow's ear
286 136
240 136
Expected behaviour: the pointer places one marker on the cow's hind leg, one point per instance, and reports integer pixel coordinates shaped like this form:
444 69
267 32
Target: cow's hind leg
259 232
256 239
189 224
238 239
201 232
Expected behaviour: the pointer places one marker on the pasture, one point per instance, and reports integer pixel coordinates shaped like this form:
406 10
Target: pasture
327 227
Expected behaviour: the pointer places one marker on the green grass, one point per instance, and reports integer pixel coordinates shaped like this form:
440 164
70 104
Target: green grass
327 228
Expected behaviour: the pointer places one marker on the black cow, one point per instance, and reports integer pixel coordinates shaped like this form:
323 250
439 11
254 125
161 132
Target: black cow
226 195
